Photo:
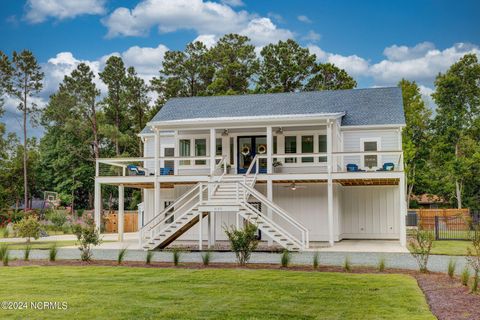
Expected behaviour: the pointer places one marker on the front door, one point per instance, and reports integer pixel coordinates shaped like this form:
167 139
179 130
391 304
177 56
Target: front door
248 147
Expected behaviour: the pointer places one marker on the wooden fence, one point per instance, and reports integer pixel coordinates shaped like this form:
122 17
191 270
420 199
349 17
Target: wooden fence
426 217
130 221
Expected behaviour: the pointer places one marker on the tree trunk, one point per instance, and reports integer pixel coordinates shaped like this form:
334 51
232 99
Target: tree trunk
25 150
458 184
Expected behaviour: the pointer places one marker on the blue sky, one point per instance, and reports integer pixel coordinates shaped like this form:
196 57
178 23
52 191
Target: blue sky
377 42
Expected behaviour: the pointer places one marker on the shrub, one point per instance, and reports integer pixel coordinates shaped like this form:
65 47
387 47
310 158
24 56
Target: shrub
420 246
148 258
66 228
57 217
3 250
6 232
286 257
88 235
176 257
26 252
28 227
316 258
451 268
52 252
381 264
465 276
206 258
473 257
121 255
242 241
6 258
347 266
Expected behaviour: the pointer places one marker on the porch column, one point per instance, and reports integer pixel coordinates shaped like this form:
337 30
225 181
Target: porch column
157 152
209 229
156 204
121 212
269 197
98 205
200 231
403 210
331 240
176 152
213 140
269 150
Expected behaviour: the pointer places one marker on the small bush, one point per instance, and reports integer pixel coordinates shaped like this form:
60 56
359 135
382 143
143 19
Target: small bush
242 241
381 265
3 249
121 255
6 258
67 228
88 235
452 264
316 260
473 257
57 217
176 257
28 227
347 266
420 246
465 277
286 257
148 258
206 258
52 252
6 232
26 252
474 286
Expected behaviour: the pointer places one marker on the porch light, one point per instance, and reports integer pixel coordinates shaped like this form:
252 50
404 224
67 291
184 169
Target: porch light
225 133
279 131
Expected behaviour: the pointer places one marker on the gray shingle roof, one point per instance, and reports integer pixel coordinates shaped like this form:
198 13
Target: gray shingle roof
373 106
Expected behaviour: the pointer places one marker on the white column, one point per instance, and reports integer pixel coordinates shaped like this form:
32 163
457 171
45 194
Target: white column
200 231
176 152
98 204
269 197
209 229
403 210
212 150
121 212
157 152
156 203
269 150
330 185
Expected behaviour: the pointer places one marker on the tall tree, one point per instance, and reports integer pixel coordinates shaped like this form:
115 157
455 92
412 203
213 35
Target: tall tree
115 107
415 135
327 76
284 67
457 95
6 71
25 82
138 103
235 62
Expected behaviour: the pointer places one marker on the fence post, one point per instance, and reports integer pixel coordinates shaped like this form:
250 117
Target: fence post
436 228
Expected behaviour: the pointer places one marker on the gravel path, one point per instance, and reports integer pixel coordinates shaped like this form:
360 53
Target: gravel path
436 263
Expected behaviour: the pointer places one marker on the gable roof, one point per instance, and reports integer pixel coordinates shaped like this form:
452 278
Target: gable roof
373 106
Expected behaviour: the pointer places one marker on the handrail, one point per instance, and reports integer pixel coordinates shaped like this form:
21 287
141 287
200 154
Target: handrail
255 160
279 210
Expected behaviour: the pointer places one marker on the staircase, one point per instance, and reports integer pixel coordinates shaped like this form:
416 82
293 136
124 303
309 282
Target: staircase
229 193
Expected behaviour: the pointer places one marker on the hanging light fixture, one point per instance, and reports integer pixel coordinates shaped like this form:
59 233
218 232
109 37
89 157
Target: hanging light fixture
225 133
279 131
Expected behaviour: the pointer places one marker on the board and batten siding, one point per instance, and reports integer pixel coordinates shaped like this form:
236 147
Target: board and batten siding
389 141
149 149
370 212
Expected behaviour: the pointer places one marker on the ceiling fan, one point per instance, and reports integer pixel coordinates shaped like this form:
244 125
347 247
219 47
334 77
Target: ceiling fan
293 186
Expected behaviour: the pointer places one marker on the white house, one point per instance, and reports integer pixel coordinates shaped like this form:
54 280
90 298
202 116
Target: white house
308 168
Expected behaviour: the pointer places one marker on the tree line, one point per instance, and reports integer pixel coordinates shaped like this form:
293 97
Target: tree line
83 124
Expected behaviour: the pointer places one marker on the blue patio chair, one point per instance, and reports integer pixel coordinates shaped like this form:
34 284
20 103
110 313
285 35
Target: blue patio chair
351 167
133 168
166 171
387 166
262 170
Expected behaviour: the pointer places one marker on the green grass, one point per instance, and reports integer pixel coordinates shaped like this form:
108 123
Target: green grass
50 233
451 247
143 293
43 245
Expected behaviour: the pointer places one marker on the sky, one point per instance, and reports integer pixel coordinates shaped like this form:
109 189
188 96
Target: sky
377 42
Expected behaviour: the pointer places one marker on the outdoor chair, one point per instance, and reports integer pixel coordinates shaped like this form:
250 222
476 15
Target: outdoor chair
387 166
136 170
351 167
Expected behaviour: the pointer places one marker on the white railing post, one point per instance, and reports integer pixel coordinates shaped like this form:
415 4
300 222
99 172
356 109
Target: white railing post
213 150
97 168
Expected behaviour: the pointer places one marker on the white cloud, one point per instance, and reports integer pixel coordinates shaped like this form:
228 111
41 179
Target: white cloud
400 53
353 64
147 61
304 19
38 11
208 40
233 3
312 36
204 17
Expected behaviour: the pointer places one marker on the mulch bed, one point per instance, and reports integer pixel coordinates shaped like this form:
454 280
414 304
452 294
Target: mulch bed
447 298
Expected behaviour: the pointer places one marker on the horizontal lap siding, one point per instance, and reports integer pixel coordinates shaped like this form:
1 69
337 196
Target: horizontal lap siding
388 138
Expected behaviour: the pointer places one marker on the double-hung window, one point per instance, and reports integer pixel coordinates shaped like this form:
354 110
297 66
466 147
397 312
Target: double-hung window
322 147
370 145
200 150
185 151
290 147
307 147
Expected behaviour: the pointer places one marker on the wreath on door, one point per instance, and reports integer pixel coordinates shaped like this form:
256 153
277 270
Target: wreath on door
245 150
262 149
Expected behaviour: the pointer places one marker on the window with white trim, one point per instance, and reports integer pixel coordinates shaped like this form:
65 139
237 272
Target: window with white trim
370 145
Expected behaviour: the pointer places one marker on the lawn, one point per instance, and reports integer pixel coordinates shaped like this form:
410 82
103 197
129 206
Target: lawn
144 293
451 247
39 244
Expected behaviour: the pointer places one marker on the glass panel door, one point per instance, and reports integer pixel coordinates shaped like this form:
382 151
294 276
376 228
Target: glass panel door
246 153
370 161
261 149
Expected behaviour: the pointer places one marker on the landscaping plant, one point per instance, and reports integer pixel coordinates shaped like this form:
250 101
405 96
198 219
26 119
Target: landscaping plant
451 268
6 258
242 241
26 253
52 252
420 246
347 266
473 257
28 227
148 258
3 250
176 257
465 276
121 255
206 258
316 258
88 235
286 257
381 264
